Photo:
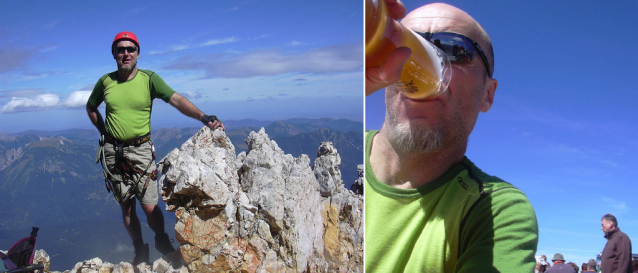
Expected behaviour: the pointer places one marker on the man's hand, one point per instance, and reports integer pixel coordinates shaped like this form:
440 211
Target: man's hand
389 71
212 122
396 9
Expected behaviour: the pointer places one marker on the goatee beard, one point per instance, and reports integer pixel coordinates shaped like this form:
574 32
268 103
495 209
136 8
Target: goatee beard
417 140
127 69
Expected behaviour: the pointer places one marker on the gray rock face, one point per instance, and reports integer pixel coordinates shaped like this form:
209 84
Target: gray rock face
327 169
202 174
262 211
9 156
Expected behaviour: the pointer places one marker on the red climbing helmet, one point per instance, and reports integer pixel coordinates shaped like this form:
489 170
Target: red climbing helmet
125 35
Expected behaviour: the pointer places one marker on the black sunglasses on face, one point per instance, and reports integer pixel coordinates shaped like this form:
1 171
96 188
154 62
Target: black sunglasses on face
457 47
129 49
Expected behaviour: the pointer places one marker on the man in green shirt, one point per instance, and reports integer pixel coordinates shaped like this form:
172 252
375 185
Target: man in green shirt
428 208
128 153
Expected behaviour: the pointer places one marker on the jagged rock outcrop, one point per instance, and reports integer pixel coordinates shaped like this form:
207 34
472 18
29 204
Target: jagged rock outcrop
263 210
259 211
327 170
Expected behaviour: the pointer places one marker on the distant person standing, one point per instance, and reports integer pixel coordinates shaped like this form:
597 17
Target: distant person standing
559 265
542 265
590 266
616 257
634 264
574 266
126 147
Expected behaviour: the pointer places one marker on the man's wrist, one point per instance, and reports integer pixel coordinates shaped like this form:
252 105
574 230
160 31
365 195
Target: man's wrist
205 119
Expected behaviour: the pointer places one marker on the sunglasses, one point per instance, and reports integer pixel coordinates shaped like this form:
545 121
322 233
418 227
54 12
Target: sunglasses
457 47
129 49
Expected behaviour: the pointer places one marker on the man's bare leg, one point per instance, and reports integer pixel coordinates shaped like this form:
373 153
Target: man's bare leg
134 229
131 221
154 217
156 223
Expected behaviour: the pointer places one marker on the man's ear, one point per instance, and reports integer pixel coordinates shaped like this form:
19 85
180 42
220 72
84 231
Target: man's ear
488 99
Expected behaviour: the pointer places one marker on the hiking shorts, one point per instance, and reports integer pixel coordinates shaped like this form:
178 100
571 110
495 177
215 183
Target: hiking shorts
141 157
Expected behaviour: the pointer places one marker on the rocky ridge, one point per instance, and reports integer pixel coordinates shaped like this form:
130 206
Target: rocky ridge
259 211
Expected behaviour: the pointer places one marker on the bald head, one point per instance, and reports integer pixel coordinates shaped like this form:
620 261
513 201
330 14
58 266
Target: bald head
439 17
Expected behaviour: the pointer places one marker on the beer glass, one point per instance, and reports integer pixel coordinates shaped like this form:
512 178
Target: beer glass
426 74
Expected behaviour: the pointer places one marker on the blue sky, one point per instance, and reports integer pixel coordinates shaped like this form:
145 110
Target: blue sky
563 124
254 59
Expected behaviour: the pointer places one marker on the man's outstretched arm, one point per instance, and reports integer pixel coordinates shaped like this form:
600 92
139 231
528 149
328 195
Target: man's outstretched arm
189 109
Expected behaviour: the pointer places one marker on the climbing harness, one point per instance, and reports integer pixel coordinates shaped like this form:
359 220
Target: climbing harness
125 166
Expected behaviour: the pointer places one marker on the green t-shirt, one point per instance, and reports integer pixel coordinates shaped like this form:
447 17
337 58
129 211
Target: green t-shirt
129 103
464 221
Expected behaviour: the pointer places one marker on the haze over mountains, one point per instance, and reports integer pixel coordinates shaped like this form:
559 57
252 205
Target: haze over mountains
51 180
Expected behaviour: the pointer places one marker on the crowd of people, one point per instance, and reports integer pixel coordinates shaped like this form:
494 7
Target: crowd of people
543 266
558 265
616 256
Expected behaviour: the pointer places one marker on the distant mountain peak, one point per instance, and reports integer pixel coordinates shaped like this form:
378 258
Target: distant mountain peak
55 142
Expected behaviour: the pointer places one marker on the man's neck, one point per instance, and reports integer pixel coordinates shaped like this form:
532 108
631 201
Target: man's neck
408 170
125 75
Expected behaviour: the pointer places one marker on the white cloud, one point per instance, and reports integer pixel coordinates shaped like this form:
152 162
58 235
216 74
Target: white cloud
41 102
122 248
174 48
616 205
191 94
219 41
326 60
51 25
77 99
179 47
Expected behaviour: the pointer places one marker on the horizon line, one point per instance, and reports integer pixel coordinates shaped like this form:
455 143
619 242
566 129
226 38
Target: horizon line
89 127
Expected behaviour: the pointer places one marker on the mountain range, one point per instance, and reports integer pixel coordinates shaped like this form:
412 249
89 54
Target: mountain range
51 180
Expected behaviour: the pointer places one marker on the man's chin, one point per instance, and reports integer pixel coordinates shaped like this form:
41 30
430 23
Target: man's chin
414 139
127 68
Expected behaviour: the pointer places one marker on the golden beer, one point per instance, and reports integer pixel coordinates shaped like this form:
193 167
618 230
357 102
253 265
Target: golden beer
427 72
